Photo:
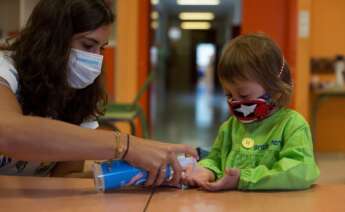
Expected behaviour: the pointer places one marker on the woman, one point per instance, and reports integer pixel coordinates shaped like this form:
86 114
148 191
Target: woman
50 86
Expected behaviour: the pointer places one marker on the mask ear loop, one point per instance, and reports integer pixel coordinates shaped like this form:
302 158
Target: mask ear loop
282 68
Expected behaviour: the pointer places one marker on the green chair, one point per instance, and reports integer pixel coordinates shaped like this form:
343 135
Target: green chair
128 112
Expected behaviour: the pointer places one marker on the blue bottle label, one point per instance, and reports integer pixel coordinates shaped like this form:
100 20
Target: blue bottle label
117 174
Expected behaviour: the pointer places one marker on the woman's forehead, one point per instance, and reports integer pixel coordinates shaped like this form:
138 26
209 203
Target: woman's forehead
100 34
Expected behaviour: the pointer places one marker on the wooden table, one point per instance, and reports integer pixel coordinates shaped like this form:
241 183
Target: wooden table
62 194
58 194
321 198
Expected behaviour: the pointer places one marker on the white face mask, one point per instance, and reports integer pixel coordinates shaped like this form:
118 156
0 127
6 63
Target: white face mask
83 68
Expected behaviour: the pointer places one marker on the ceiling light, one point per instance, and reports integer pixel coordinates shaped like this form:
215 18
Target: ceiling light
201 25
154 25
174 33
154 15
198 2
154 2
196 16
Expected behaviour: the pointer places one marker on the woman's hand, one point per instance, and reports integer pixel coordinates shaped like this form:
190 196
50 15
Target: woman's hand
197 176
154 157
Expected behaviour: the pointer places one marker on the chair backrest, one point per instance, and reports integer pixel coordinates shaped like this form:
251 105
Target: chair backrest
144 88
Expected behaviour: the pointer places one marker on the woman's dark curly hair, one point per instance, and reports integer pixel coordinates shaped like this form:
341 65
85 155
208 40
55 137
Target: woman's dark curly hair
41 53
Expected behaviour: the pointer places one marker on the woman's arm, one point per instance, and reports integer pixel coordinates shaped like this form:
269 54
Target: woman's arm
41 139
69 169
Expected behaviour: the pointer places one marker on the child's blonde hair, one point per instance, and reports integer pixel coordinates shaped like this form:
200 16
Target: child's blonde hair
256 57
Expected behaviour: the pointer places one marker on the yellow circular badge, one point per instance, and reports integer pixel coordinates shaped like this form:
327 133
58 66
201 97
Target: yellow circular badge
248 143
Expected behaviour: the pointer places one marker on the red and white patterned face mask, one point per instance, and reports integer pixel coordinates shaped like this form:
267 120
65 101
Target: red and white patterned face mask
248 111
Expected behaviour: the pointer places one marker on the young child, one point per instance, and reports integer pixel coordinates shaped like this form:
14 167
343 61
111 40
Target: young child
263 145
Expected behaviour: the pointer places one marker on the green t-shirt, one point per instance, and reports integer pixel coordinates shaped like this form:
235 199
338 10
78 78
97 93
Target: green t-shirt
275 153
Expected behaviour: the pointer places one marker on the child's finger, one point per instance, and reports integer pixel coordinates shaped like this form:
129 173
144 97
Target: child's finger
215 186
189 169
229 181
184 178
188 179
191 183
201 183
232 172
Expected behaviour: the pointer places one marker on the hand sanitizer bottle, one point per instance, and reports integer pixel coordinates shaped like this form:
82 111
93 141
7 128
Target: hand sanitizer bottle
116 174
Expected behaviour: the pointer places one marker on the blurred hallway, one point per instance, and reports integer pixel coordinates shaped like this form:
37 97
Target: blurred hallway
190 118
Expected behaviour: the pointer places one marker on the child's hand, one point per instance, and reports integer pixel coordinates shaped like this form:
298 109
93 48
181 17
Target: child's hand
197 176
228 182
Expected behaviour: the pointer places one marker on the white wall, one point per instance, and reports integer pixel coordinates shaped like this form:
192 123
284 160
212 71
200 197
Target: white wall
9 16
14 14
26 7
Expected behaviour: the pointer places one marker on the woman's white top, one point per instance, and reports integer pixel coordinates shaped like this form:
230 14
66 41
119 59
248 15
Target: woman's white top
10 166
